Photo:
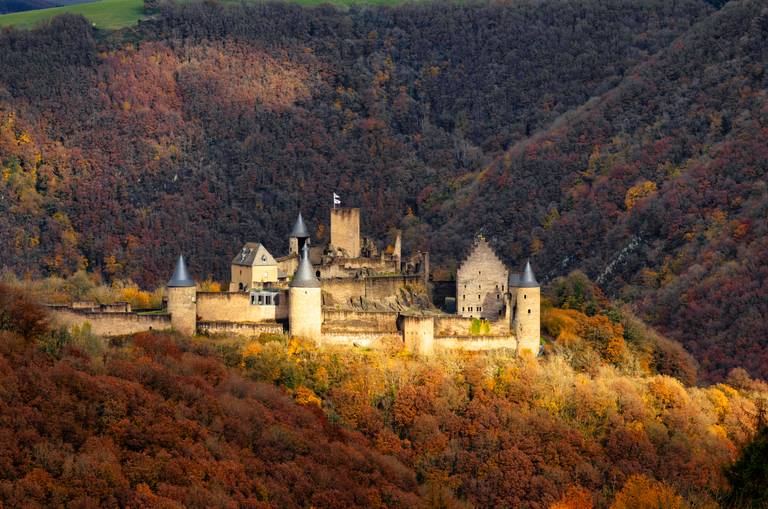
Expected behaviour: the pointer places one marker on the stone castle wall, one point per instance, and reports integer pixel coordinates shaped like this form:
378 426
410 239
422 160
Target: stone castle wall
361 339
237 307
419 334
347 267
451 325
360 321
476 343
250 330
339 291
109 323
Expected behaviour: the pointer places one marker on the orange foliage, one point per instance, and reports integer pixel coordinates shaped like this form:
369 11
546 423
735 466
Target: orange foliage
570 326
575 497
138 299
640 492
638 192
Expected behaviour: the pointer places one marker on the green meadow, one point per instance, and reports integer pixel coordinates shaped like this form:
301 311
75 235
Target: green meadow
114 14
108 14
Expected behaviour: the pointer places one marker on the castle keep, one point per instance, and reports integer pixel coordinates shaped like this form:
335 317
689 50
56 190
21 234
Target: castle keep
346 292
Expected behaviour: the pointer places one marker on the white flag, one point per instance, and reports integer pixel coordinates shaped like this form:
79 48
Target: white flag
336 199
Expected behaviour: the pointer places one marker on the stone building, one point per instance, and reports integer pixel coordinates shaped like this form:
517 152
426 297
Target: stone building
332 298
252 267
481 282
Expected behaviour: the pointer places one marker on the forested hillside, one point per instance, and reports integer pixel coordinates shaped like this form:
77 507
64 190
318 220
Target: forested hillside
605 419
621 138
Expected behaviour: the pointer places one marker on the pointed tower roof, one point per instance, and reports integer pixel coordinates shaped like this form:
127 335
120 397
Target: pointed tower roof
300 230
528 280
304 276
180 276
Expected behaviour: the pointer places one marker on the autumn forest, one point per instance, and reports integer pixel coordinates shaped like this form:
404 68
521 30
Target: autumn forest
620 145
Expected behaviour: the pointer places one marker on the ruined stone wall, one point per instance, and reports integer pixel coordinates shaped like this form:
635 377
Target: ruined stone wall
341 290
288 264
476 343
241 277
361 339
109 323
362 321
347 267
480 283
114 307
237 307
345 230
451 325
250 330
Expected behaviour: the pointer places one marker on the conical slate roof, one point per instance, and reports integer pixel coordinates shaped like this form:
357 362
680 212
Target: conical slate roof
304 276
300 230
528 280
180 276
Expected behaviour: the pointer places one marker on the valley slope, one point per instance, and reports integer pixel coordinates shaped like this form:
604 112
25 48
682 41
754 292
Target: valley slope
621 139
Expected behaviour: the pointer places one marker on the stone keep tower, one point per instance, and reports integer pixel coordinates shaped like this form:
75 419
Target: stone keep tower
182 299
345 231
526 320
305 301
299 237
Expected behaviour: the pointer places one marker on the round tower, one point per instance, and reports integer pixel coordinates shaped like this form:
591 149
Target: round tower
527 315
182 299
305 301
299 236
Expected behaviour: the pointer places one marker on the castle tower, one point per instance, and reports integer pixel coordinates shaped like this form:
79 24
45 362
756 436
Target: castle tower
527 315
305 301
345 231
182 299
299 236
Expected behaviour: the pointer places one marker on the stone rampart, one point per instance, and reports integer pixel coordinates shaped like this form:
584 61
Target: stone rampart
361 339
476 343
359 321
246 329
452 325
344 290
109 323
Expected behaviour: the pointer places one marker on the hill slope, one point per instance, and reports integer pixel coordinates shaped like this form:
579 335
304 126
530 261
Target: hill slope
621 139
155 420
658 190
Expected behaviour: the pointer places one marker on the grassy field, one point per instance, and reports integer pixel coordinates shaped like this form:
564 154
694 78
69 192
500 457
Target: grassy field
109 14
113 14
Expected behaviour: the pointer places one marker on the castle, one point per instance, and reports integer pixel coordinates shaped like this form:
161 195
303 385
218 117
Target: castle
346 292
